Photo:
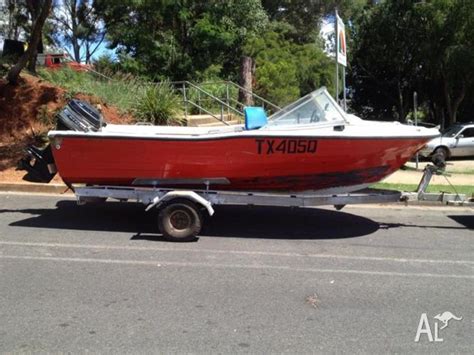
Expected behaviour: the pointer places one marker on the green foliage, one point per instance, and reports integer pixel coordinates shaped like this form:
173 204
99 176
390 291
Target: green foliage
277 81
385 60
304 15
119 92
402 46
286 70
159 105
176 39
106 65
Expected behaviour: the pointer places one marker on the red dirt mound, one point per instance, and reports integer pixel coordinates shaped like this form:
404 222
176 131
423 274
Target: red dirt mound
27 112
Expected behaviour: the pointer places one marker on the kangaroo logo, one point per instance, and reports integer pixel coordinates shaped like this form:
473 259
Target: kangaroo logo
425 328
445 317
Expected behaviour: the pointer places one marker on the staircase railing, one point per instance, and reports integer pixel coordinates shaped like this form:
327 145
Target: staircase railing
227 105
185 88
256 98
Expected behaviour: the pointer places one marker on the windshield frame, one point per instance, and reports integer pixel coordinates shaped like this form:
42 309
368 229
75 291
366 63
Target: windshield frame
292 107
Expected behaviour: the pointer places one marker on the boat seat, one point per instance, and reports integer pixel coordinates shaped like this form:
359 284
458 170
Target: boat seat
255 117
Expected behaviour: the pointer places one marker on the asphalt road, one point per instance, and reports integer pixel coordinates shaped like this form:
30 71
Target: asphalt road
98 278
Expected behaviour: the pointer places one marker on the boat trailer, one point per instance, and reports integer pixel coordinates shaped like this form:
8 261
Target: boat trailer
181 211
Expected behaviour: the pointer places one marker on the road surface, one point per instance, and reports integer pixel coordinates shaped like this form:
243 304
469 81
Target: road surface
98 278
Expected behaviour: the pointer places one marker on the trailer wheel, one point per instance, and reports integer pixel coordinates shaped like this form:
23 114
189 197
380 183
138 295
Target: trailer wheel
180 221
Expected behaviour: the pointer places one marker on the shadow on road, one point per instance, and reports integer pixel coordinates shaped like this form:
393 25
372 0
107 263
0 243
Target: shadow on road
228 221
466 220
287 223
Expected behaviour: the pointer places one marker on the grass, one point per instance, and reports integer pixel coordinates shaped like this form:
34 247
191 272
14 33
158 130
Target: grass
460 189
120 93
160 104
157 104
449 169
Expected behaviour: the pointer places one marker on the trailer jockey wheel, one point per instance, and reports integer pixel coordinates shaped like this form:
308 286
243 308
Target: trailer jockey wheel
180 221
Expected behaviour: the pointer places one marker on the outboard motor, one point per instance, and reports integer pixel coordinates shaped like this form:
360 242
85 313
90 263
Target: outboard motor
80 116
77 115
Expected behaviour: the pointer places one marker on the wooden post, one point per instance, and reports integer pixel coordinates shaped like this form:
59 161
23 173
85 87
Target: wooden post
247 69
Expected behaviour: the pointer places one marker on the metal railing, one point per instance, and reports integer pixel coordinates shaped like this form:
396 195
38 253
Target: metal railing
226 103
264 102
198 97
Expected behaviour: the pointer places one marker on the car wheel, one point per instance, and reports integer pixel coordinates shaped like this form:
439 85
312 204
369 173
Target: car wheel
442 151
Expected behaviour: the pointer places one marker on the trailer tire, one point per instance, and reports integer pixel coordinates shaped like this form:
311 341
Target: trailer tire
180 221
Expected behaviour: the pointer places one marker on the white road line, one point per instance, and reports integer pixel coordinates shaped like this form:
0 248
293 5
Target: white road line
157 263
238 252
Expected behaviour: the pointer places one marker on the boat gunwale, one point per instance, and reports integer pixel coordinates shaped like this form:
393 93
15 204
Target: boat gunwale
97 135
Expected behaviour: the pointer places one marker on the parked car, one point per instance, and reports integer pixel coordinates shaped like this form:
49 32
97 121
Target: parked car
455 141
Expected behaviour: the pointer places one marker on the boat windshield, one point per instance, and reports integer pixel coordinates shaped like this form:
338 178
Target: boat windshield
316 107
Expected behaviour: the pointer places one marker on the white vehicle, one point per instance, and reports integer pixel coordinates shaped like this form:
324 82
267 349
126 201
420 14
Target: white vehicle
456 141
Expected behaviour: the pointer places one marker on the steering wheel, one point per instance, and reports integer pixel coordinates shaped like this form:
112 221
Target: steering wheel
315 116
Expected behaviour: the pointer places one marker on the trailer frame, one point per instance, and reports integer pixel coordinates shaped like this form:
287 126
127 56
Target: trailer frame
189 206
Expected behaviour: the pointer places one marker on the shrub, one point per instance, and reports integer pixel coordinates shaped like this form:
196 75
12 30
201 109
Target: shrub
159 105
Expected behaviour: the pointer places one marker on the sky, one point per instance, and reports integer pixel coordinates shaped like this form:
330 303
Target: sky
327 34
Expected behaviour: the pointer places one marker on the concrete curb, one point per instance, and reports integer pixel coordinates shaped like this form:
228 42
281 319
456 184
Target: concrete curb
34 188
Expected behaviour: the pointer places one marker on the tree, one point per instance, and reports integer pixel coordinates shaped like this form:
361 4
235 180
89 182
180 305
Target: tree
247 72
14 19
386 59
35 37
449 47
401 46
77 25
286 70
304 16
179 39
34 9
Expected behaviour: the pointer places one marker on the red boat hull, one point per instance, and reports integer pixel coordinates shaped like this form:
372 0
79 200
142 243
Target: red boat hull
249 163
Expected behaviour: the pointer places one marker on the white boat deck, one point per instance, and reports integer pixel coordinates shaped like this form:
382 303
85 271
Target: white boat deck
356 129
169 130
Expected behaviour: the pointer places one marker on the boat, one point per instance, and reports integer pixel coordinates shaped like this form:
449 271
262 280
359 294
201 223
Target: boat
309 145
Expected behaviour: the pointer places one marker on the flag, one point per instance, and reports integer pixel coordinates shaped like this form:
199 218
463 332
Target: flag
341 45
